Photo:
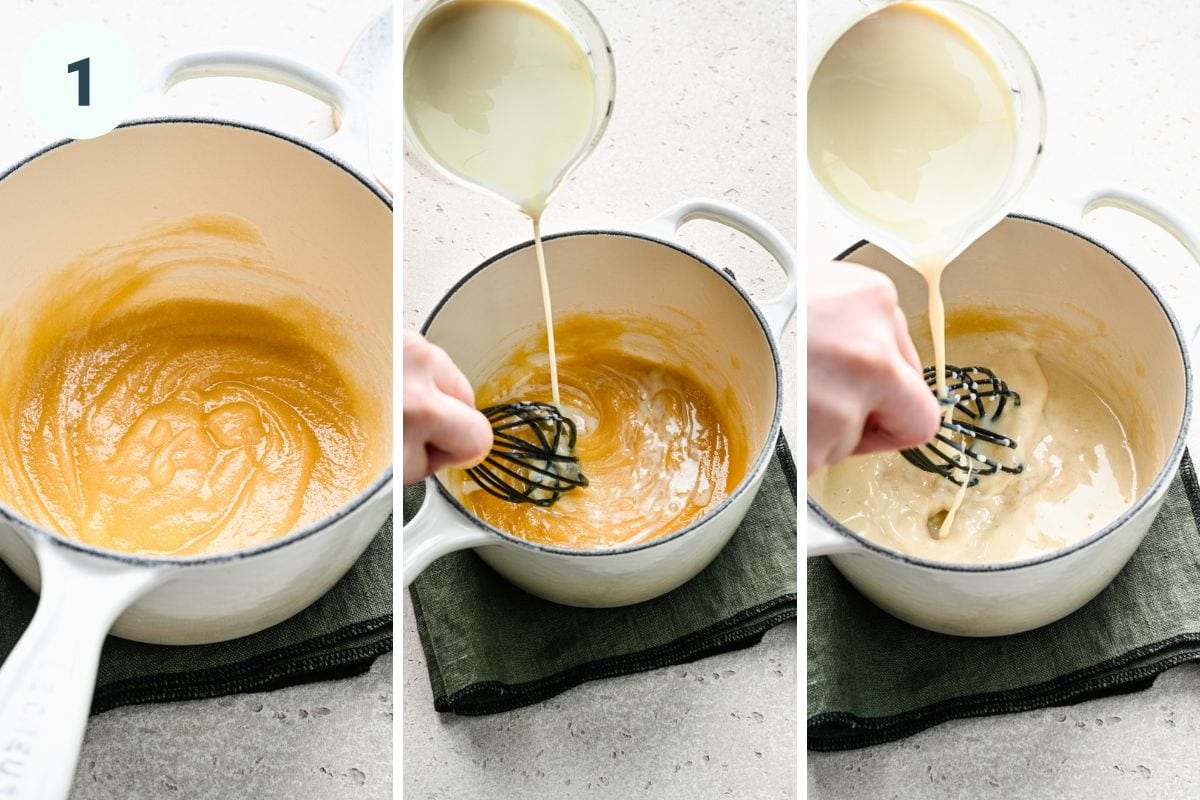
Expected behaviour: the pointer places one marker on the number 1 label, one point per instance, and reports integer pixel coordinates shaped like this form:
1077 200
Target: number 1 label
84 68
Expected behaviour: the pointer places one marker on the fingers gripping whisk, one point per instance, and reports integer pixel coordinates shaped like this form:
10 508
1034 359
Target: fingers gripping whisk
531 459
957 452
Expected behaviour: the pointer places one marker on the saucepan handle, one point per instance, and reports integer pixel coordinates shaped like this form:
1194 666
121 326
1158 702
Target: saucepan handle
822 539
47 681
436 530
1178 228
348 143
779 309
1174 224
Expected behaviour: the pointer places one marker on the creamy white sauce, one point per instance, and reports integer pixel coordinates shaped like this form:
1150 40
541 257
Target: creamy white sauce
1081 469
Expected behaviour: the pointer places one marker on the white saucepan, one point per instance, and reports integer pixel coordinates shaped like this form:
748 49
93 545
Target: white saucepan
644 273
1049 268
328 225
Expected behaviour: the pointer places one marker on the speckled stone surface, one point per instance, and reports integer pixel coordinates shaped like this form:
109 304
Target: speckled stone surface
1130 747
326 740
721 727
321 741
705 106
1123 109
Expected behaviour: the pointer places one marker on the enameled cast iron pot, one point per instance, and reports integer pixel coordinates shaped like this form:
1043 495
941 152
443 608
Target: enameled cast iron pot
331 227
1049 268
647 274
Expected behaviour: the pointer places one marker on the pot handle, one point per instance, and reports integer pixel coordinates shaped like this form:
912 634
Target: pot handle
47 681
822 539
779 309
436 530
1175 225
349 142
1158 214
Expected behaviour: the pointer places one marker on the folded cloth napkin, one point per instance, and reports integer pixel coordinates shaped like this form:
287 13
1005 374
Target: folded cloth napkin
491 647
338 636
873 678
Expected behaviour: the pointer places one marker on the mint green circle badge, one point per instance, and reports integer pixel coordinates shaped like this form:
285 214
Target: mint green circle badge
80 80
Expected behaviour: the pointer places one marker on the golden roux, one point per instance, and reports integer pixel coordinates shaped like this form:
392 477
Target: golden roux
150 419
655 444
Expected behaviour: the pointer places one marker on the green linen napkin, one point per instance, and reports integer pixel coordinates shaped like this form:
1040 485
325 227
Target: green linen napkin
491 647
873 678
338 636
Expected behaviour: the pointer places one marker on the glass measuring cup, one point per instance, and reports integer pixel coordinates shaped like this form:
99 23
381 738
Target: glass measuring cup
583 26
1016 68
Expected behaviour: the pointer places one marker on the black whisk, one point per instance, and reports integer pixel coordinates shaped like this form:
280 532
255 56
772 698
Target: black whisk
979 398
530 460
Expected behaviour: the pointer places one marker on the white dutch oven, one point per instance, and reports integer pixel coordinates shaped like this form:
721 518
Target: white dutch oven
327 224
643 273
1043 267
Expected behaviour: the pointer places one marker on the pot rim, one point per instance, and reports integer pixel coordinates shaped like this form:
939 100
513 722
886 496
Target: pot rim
382 481
1157 486
753 474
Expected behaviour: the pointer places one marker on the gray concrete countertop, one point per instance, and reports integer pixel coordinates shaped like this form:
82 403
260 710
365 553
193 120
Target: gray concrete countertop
1133 747
1122 110
247 746
320 741
705 106
720 727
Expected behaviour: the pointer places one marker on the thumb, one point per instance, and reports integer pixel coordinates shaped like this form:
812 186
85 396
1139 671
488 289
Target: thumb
462 436
908 416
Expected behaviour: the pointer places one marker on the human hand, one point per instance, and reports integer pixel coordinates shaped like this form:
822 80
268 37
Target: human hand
441 425
866 392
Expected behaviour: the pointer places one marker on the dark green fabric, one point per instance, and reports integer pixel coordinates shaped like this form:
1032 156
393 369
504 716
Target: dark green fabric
338 636
873 678
491 647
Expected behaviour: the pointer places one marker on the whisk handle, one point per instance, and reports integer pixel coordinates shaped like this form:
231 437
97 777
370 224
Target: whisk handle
437 529
779 309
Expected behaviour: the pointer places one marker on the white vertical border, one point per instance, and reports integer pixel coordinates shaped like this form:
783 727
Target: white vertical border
394 180
805 52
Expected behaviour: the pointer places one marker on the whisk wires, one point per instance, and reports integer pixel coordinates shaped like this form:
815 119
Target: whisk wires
978 398
531 458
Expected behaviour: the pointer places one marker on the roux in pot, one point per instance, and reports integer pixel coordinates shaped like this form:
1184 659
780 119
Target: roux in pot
151 418
658 448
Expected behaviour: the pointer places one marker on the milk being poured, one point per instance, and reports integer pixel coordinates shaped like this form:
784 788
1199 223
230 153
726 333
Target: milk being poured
503 96
911 126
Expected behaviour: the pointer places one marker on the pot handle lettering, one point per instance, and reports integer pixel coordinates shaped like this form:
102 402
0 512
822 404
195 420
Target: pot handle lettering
348 143
1173 224
436 530
779 309
821 539
47 681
